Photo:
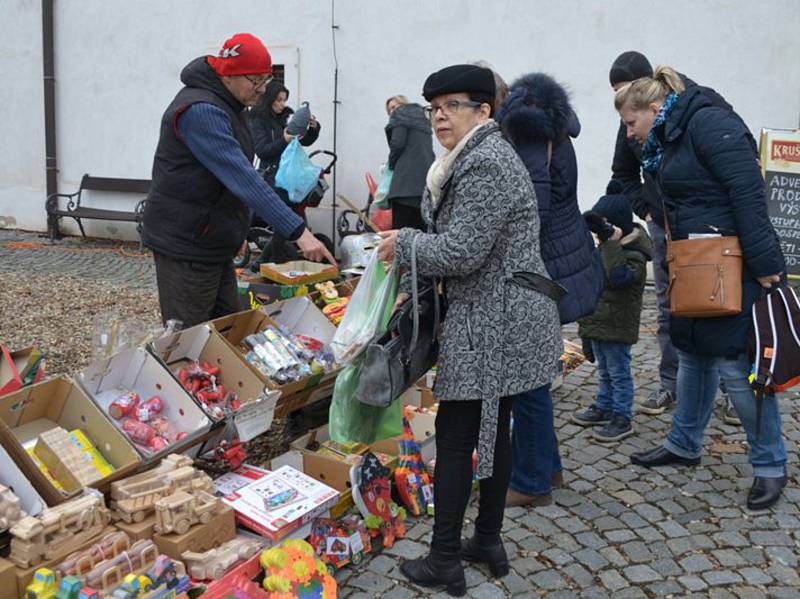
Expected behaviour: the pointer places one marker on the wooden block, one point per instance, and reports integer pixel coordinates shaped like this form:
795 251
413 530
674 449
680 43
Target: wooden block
67 463
202 537
139 530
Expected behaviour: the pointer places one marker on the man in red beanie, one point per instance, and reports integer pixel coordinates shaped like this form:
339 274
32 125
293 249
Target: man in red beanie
205 187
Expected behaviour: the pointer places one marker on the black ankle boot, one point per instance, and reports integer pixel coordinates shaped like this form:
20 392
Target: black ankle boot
487 550
437 569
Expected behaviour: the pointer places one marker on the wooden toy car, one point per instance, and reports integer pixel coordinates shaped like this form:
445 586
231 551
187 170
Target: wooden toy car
134 498
179 511
58 529
214 563
69 588
88 593
138 558
132 587
43 585
10 510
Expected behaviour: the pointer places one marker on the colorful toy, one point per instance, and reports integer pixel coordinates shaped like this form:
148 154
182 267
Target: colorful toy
43 585
335 305
373 498
291 570
69 588
200 380
88 593
413 483
132 587
340 542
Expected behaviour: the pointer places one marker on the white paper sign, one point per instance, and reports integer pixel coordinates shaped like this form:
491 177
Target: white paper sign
255 418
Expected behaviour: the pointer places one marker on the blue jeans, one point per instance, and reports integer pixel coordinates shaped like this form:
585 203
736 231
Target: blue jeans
534 446
698 378
615 387
668 366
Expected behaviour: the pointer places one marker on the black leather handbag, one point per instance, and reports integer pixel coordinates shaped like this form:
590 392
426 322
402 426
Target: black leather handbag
407 350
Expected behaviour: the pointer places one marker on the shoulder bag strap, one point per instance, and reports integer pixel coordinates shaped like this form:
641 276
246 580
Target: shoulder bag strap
415 296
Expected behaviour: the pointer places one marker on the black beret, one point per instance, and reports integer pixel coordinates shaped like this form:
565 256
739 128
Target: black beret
459 78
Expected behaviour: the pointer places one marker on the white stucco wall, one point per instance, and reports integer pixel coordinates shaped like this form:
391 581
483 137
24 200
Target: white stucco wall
117 66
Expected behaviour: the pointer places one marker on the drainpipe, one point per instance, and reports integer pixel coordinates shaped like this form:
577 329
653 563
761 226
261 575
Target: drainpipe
48 64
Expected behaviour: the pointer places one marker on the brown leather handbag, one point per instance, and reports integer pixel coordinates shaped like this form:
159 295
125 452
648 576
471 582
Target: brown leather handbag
705 275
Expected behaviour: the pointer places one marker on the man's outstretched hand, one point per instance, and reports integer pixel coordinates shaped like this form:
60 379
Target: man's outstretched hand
313 249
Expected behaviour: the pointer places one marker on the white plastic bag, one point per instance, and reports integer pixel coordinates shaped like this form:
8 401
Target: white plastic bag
362 317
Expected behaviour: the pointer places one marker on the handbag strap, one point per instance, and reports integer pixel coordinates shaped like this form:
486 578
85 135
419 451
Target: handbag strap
415 296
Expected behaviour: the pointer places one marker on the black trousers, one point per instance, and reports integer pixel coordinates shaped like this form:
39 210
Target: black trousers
457 426
194 292
406 213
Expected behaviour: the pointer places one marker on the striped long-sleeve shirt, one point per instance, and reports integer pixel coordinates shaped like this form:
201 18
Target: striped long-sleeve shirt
207 132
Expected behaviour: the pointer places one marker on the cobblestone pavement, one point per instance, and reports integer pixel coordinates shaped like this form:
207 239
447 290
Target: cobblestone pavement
614 530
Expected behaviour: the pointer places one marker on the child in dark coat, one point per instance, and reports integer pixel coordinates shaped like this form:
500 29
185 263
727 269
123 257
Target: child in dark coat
614 327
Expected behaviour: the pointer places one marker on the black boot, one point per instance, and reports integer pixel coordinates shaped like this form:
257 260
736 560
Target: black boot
661 457
487 550
765 492
437 569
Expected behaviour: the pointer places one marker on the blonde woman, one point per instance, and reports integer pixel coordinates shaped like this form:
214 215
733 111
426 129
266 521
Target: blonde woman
703 159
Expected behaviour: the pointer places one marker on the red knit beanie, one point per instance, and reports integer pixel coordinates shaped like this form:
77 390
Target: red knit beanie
242 54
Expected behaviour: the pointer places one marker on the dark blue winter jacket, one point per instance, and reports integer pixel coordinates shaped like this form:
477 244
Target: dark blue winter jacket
537 111
712 183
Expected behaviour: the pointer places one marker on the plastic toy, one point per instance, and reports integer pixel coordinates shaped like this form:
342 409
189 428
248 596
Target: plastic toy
200 380
69 588
232 453
167 577
43 585
181 510
213 564
58 529
88 593
411 478
335 305
373 498
291 570
340 542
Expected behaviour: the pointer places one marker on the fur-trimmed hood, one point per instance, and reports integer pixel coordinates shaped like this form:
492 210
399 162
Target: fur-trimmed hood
537 109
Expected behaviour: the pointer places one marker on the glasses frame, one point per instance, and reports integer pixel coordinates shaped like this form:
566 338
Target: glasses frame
258 83
449 107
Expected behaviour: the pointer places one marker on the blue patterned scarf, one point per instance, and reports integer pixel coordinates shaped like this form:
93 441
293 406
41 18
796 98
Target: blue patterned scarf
652 150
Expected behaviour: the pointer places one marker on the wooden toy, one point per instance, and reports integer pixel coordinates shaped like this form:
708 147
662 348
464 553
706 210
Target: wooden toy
340 542
179 511
81 562
64 459
43 585
373 498
10 510
69 588
111 573
411 478
212 564
132 587
58 529
134 498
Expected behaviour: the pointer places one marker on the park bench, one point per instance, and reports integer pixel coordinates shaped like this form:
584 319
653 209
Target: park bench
88 183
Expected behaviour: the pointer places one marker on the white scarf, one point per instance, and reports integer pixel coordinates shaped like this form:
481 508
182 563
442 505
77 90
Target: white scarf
442 167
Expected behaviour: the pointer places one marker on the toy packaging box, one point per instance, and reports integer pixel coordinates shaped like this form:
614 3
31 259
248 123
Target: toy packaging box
280 502
241 477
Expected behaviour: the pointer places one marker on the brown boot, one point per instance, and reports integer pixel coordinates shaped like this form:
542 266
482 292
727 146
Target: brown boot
557 481
517 499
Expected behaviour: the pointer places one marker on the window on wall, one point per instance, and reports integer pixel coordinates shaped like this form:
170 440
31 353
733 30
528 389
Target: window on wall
279 73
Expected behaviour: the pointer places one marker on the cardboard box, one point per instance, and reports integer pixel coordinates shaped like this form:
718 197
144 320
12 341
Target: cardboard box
137 370
235 327
19 368
281 502
298 272
333 473
204 344
8 579
14 478
138 530
201 537
60 402
241 477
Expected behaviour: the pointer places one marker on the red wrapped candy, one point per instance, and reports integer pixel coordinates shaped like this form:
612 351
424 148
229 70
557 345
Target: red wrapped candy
139 432
149 408
158 443
124 405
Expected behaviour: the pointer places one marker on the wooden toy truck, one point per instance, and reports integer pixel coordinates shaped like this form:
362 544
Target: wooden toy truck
179 511
134 498
10 510
81 562
57 530
212 564
112 573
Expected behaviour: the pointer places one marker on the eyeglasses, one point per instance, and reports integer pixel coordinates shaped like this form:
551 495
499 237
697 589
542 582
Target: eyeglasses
258 82
448 108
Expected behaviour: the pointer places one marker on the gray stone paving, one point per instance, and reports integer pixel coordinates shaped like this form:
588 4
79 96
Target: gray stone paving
614 530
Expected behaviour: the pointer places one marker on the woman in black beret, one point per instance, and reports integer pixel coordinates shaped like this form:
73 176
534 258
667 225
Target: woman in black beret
500 337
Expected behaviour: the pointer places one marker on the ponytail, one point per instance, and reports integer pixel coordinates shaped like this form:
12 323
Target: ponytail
641 93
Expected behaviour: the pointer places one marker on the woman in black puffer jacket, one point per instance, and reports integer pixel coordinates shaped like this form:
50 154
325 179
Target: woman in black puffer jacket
707 169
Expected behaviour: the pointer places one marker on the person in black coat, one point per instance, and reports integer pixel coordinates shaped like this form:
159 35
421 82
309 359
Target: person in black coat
539 121
642 192
702 158
268 120
410 140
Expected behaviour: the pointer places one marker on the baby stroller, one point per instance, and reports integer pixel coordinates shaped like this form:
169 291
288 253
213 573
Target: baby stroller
261 234
351 223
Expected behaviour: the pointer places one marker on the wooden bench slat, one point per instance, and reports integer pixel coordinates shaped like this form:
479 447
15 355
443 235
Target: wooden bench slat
114 184
99 214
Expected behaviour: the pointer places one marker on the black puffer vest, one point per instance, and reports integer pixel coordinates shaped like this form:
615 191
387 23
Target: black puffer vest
190 214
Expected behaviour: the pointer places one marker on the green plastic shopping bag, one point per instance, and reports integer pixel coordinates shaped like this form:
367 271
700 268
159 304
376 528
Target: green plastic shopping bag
350 419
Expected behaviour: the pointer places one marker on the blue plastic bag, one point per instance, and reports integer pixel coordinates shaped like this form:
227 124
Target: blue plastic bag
296 173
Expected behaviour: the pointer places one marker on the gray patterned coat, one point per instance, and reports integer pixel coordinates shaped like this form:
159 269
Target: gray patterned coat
498 338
